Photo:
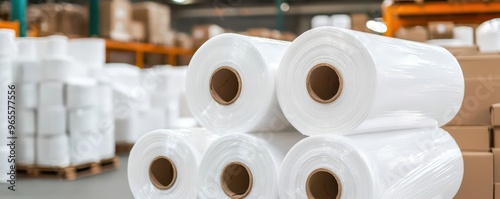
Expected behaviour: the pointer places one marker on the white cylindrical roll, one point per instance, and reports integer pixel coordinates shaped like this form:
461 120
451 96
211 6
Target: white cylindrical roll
81 93
340 81
127 128
320 21
51 94
52 151
28 95
83 121
27 48
151 120
488 36
417 163
58 69
104 97
27 66
245 165
4 165
56 46
25 150
88 51
6 72
8 47
107 146
165 163
84 147
341 21
465 34
26 122
51 121
240 74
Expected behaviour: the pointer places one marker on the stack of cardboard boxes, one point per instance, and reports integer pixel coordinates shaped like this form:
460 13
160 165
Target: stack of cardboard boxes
495 120
472 126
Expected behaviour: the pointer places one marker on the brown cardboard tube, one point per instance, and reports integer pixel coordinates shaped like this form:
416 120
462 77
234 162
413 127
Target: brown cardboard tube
162 173
323 184
236 180
324 83
225 85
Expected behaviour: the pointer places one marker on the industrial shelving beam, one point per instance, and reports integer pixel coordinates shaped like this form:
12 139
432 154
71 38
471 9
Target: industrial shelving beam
18 13
411 14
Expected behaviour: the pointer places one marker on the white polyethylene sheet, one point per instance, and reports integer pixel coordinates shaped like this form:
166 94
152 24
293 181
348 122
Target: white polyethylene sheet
260 153
245 86
365 83
183 149
418 163
488 36
52 151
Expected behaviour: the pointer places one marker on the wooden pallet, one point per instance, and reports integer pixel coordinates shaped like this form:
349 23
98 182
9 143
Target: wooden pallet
71 172
123 148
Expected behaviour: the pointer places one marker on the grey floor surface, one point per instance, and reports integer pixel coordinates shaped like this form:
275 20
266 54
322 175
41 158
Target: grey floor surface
108 185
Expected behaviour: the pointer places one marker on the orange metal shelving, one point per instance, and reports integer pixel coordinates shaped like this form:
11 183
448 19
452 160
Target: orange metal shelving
141 48
411 14
10 25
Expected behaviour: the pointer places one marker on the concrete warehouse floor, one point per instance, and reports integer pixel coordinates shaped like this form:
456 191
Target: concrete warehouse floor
107 185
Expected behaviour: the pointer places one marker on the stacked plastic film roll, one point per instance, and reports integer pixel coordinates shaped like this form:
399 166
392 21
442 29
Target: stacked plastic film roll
165 163
418 163
240 72
338 81
245 165
488 36
7 54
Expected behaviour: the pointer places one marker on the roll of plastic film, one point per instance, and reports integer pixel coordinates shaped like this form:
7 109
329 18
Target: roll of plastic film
4 165
488 37
465 34
81 93
104 97
83 121
26 122
56 46
51 121
240 72
25 151
51 94
165 163
7 39
107 130
127 128
84 147
6 71
88 51
340 81
28 95
245 165
58 69
27 65
52 151
418 163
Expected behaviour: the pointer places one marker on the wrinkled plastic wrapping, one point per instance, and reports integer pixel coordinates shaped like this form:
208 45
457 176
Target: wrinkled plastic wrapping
183 149
488 36
383 83
419 163
261 154
250 84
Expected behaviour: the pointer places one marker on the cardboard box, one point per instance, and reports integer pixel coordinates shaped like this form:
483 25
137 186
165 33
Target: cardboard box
202 33
496 137
441 29
471 138
183 40
478 176
115 17
482 89
495 114
496 164
156 20
415 33
497 190
461 51
358 22
137 31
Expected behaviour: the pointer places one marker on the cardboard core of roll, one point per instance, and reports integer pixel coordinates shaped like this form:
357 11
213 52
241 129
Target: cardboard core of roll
162 173
323 184
225 85
236 180
324 83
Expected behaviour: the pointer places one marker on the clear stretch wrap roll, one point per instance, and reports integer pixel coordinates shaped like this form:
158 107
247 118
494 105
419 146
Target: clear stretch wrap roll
81 93
418 163
28 95
245 165
165 163
25 150
465 34
340 81
26 122
488 36
51 94
240 74
83 121
53 151
341 21
51 121
84 147
58 69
